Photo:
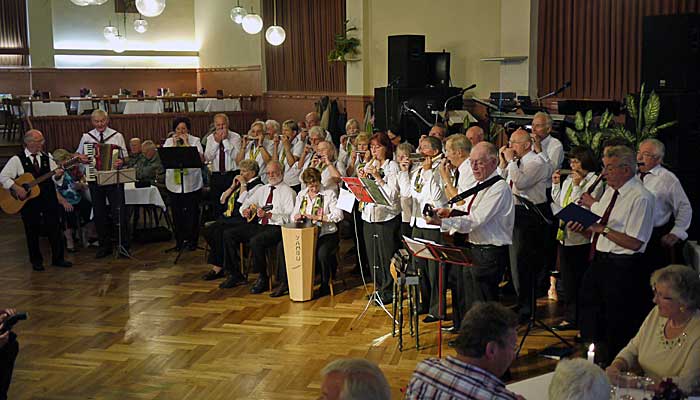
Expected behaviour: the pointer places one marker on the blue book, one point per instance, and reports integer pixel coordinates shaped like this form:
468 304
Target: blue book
576 213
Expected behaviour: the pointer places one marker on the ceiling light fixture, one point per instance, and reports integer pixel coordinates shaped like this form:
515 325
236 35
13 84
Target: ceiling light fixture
275 34
110 31
252 23
237 13
150 8
140 25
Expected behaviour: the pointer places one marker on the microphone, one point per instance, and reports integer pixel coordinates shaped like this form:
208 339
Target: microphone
180 141
470 87
566 85
394 82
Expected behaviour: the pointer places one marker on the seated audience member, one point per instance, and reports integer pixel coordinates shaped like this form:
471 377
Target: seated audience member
317 206
135 152
578 379
485 349
266 233
668 342
77 208
9 348
150 168
574 247
231 199
287 150
353 379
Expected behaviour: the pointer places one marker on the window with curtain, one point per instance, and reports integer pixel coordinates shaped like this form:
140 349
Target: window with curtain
14 46
596 44
301 62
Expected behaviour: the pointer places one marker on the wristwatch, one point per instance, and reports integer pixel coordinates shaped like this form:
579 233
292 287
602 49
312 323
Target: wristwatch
606 230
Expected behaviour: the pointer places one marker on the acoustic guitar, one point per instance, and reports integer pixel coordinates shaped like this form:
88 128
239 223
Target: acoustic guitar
253 217
11 203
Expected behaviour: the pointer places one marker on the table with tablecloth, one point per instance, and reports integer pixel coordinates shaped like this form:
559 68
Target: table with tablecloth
44 109
142 106
209 104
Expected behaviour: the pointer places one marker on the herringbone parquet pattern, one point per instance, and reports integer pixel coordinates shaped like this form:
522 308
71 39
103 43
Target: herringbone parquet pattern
118 329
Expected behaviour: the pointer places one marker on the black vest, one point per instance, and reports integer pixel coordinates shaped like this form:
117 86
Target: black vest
47 198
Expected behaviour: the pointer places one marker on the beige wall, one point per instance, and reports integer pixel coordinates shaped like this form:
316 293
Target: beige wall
221 42
515 41
40 33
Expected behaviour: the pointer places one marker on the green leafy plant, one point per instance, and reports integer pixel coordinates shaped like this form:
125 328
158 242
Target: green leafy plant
645 116
586 133
344 46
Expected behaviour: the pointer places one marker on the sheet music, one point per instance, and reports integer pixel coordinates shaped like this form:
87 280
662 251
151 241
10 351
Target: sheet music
346 200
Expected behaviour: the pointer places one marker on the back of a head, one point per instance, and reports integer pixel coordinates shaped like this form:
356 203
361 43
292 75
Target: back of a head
362 379
579 379
484 323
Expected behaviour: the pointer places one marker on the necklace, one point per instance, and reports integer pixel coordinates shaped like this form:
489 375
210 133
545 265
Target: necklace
678 341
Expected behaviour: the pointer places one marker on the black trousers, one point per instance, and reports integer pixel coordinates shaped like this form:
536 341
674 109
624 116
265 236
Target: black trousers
185 210
214 235
8 354
218 183
380 249
100 195
615 299
258 237
359 238
79 216
527 254
429 282
39 216
480 281
658 256
326 262
573 263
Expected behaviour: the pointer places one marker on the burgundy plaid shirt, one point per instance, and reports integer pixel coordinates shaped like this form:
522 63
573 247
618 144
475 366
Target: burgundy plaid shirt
450 378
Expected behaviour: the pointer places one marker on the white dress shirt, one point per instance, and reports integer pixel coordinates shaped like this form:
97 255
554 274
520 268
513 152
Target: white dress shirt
252 152
14 169
430 192
329 210
632 214
671 200
111 137
377 213
552 153
232 145
282 202
291 172
327 182
466 176
529 180
192 177
572 238
491 218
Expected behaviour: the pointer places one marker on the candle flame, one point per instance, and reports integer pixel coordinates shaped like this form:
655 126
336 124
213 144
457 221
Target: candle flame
591 347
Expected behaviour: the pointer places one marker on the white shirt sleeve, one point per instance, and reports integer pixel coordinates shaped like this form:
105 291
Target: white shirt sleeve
10 172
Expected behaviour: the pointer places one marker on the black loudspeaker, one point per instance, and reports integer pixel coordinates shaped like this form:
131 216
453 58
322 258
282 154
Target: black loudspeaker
437 69
389 103
407 61
671 52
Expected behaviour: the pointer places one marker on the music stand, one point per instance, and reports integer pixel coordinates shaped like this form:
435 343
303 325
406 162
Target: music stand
116 177
180 158
367 191
443 254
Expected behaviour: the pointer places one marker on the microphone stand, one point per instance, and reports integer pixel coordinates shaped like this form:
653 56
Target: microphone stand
405 109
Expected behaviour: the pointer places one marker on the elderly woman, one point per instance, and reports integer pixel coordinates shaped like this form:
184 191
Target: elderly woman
574 247
360 155
287 150
668 343
352 129
578 379
185 188
72 198
231 199
254 146
382 223
317 206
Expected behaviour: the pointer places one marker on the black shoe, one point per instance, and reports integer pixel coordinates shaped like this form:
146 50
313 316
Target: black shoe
191 247
280 291
259 286
422 311
324 290
430 319
102 253
565 326
38 267
232 282
71 250
450 329
211 275
387 299
62 264
452 343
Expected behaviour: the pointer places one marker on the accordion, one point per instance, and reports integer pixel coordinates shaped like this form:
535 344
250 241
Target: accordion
102 157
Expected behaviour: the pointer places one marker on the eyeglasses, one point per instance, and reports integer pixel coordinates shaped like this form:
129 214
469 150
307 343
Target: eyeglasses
375 146
646 154
511 142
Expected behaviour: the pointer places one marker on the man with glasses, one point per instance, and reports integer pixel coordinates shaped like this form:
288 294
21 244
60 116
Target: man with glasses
615 295
527 175
672 212
39 213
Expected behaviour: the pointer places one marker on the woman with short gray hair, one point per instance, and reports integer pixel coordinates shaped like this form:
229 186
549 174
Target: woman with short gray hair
668 343
353 379
578 379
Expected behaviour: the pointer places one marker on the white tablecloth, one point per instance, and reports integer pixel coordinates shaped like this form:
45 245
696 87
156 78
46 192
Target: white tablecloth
142 196
82 104
41 109
217 105
142 107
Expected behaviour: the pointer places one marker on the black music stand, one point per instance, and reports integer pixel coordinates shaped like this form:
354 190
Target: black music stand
443 254
180 158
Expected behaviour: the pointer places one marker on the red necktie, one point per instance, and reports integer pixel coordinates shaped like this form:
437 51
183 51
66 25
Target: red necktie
222 157
37 169
603 221
469 207
266 220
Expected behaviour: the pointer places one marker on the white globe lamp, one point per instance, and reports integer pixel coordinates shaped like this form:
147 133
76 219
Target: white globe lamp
275 35
150 8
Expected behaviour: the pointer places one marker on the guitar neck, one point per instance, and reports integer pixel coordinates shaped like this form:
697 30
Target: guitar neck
42 178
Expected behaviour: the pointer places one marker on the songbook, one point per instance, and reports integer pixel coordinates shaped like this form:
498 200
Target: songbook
430 250
576 213
366 190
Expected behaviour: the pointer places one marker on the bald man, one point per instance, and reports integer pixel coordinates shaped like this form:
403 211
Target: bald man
40 212
475 135
313 119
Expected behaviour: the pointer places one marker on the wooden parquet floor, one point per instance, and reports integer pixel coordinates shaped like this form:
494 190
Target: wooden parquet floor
117 329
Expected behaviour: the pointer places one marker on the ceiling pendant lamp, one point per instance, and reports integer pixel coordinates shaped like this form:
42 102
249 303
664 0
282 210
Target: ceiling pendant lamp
237 13
119 44
150 8
98 2
81 3
252 23
110 31
275 34
140 25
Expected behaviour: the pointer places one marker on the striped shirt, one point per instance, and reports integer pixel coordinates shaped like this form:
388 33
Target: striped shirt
451 378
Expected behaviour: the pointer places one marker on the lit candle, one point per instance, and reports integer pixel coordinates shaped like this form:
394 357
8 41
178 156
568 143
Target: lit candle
591 353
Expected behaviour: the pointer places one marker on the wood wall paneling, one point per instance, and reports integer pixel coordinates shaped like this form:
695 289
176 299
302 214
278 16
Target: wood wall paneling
234 81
